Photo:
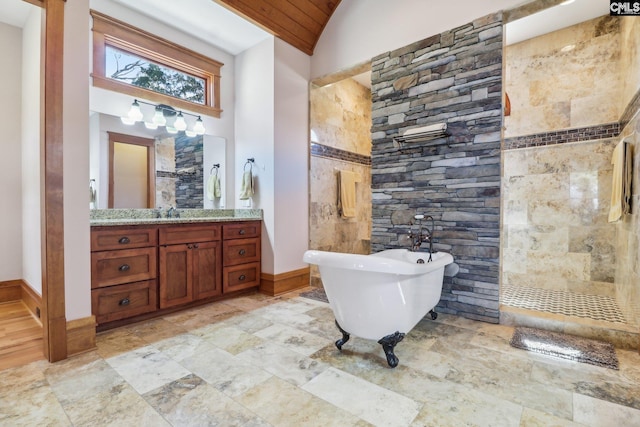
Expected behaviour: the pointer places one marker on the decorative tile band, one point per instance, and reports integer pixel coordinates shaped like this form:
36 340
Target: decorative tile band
579 134
563 136
166 174
320 150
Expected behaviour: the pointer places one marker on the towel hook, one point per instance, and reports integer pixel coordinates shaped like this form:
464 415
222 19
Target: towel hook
215 166
249 162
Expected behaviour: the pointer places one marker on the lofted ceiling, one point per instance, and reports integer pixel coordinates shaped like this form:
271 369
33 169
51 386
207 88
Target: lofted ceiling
297 22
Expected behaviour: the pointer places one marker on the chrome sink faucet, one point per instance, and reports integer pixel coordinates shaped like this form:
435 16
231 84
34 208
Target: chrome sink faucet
173 213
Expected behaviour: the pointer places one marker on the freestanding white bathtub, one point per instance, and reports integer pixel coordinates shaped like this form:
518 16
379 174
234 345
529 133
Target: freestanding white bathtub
380 296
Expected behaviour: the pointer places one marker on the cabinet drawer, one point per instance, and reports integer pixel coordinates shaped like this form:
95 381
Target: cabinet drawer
189 234
241 277
241 231
116 267
240 251
123 238
119 302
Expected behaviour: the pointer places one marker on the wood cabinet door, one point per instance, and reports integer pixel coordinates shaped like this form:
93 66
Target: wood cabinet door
176 275
207 269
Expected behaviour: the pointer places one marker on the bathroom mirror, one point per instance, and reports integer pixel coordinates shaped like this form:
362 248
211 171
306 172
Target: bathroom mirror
135 167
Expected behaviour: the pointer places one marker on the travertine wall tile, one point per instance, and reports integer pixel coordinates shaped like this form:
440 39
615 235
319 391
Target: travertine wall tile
566 79
555 209
340 117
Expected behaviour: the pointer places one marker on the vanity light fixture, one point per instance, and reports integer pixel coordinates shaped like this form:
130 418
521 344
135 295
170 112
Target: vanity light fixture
159 118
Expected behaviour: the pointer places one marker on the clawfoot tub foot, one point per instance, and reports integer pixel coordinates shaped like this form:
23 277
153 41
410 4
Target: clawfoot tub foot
344 339
388 344
433 314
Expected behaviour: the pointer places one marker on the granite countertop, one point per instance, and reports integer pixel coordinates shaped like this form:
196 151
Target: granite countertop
102 217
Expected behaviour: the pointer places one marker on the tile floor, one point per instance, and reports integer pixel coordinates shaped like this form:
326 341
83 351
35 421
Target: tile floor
261 361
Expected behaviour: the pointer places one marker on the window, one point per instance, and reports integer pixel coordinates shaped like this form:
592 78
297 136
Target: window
132 61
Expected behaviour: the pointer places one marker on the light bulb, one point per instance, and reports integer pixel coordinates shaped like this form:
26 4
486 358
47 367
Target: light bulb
127 121
198 127
135 113
190 133
150 125
171 129
158 117
180 124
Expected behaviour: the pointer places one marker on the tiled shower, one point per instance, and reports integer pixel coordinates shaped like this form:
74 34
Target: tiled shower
571 103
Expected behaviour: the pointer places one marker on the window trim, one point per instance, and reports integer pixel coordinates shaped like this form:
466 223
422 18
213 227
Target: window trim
110 31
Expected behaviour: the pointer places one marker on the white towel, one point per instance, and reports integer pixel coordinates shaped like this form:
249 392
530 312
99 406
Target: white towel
213 187
347 193
246 187
620 182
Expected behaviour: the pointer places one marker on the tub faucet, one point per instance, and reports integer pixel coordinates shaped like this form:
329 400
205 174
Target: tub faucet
424 235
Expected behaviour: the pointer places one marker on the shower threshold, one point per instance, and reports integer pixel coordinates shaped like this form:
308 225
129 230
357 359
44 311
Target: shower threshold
590 316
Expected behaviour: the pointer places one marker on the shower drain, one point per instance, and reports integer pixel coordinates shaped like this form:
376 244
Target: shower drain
596 307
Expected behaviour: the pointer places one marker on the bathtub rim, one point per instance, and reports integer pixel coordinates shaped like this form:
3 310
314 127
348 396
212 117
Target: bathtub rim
380 262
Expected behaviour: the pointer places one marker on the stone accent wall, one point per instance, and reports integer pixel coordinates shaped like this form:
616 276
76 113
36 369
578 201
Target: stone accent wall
453 77
189 171
340 119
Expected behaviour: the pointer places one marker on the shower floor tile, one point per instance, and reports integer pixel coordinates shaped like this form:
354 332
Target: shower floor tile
596 307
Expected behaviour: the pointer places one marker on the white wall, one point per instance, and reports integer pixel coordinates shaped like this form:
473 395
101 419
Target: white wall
291 151
75 120
10 164
361 29
31 63
254 112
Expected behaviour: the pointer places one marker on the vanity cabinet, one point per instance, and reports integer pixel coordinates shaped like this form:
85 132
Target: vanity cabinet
190 264
123 272
241 249
138 270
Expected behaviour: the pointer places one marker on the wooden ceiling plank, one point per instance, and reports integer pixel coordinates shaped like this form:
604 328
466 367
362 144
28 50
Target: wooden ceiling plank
311 10
298 22
282 26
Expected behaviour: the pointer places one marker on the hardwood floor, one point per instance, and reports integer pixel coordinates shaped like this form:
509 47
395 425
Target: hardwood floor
20 335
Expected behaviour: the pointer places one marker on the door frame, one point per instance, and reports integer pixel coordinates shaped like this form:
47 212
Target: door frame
151 164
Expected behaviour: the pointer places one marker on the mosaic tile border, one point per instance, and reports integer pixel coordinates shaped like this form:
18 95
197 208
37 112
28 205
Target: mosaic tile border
166 174
320 150
589 133
596 307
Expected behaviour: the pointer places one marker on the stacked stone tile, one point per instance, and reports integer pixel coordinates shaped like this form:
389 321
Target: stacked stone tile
189 171
453 77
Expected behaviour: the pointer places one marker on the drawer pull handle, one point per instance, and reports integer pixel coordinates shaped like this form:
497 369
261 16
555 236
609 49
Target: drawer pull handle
124 267
189 246
124 301
124 240
241 232
242 252
195 246
242 277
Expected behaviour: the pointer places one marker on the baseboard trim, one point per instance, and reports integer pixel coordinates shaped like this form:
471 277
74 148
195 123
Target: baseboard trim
277 284
32 300
10 290
81 335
